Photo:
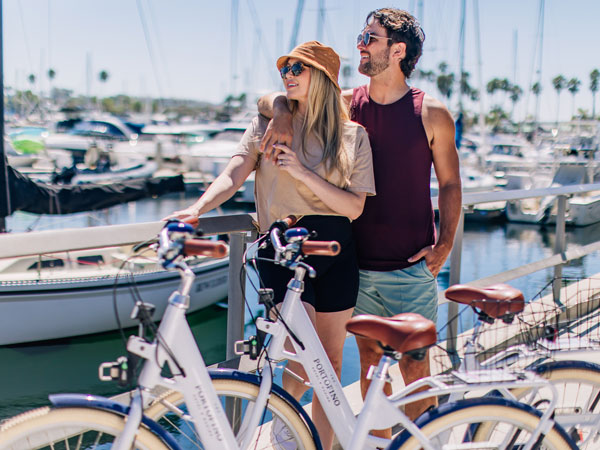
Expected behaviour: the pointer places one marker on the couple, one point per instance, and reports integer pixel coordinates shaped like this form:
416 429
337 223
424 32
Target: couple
312 161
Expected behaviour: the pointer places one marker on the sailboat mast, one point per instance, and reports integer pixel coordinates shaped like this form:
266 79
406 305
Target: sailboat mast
481 121
320 20
5 208
461 55
233 49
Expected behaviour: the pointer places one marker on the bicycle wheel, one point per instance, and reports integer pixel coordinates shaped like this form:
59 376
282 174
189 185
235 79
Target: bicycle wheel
281 425
70 428
578 404
457 425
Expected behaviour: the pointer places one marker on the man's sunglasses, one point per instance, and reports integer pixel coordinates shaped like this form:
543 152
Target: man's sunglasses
297 68
365 38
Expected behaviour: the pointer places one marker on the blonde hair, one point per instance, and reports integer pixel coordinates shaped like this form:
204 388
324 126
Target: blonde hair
325 117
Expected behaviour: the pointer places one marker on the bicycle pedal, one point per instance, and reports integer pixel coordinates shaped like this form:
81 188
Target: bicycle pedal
117 371
249 347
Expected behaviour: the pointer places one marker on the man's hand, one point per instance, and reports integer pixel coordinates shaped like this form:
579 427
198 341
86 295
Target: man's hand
435 257
279 131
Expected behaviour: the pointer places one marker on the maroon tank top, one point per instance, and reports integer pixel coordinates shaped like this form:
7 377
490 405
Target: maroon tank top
398 221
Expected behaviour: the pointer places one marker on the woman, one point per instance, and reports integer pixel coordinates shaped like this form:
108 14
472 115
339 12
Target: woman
324 179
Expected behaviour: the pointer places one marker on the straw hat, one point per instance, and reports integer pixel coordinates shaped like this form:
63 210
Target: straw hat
316 55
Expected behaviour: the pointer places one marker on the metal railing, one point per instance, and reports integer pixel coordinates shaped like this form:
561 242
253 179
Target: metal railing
241 228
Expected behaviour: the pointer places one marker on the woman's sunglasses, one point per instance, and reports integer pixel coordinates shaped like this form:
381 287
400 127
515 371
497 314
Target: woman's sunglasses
297 68
365 38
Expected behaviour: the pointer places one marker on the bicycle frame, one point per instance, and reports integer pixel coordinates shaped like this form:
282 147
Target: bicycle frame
190 376
379 411
514 353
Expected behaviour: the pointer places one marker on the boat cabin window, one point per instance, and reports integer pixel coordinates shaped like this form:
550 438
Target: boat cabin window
98 129
47 264
90 260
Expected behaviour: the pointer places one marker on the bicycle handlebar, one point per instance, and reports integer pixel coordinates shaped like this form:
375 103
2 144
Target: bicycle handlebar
204 248
321 248
297 243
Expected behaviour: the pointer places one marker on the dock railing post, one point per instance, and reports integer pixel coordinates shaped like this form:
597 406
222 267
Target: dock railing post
455 261
235 299
560 245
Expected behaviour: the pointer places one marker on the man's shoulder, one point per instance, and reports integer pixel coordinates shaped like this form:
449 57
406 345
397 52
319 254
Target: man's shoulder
433 103
434 110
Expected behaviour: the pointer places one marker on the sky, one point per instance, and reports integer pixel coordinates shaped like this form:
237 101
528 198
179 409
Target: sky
191 48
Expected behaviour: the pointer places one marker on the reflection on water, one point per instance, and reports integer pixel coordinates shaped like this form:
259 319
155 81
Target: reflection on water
31 372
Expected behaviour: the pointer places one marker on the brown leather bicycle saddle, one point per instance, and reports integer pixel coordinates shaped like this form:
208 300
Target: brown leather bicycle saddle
496 300
402 332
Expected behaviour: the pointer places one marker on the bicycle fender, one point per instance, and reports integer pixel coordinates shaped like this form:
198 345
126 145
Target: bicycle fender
565 364
256 379
106 404
433 414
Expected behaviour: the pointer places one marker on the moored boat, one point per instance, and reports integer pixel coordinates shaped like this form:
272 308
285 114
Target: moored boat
52 297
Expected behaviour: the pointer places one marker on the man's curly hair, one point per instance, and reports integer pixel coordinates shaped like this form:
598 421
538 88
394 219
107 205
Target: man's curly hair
401 27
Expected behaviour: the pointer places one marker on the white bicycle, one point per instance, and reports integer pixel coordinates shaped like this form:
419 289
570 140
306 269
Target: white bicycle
542 339
236 410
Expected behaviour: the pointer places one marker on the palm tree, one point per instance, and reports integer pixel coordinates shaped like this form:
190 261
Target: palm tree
515 95
51 75
31 78
103 76
445 81
559 83
594 79
573 87
536 88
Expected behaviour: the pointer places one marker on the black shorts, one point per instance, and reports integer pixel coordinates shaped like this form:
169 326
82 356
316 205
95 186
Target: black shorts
335 288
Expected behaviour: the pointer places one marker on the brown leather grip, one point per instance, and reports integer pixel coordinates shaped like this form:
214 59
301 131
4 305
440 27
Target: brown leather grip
290 221
322 248
216 249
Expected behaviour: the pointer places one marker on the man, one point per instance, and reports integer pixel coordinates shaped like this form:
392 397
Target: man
409 131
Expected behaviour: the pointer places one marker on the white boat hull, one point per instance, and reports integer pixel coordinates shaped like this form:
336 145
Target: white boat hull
54 308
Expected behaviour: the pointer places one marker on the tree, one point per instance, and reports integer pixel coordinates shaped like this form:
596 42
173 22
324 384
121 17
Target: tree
594 79
515 95
559 83
573 87
445 81
31 78
103 76
495 118
466 88
51 74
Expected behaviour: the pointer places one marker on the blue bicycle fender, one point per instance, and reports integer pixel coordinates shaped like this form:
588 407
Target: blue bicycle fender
446 408
106 404
232 374
569 364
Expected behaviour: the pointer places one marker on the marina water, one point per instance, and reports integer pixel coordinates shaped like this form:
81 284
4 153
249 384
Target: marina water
28 373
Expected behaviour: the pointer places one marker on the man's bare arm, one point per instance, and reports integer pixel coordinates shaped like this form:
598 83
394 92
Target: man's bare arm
440 129
280 129
266 104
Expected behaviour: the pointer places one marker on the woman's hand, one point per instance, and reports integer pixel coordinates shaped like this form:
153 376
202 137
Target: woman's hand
188 215
287 160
